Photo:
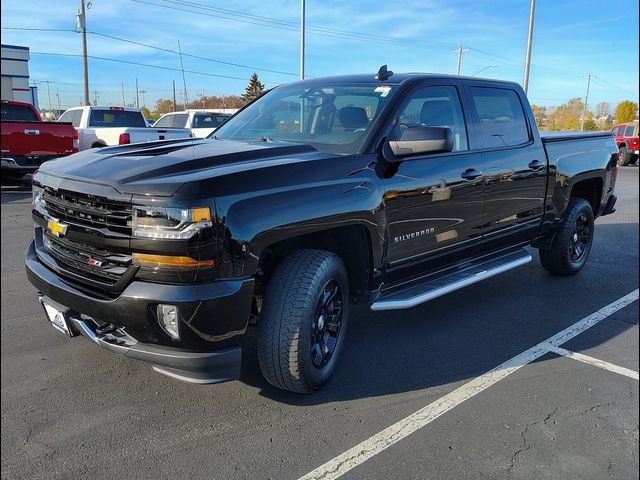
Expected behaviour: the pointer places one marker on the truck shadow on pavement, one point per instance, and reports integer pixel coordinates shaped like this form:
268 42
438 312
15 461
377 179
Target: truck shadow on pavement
16 196
466 333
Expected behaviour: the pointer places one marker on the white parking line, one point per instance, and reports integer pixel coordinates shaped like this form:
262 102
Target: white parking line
594 362
353 457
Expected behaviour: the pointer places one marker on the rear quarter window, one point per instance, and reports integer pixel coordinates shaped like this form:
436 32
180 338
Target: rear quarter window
629 131
502 118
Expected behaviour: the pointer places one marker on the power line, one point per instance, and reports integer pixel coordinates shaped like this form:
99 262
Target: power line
145 65
609 84
168 50
242 17
162 49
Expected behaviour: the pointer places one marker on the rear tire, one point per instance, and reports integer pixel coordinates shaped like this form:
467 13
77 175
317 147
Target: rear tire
572 243
624 157
303 321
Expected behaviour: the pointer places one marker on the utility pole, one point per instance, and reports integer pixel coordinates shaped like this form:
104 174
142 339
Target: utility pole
586 102
137 95
144 104
48 82
124 103
302 12
58 97
81 22
174 95
527 62
460 51
95 98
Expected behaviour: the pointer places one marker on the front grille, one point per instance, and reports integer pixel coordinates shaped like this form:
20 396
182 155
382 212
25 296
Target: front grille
88 210
98 265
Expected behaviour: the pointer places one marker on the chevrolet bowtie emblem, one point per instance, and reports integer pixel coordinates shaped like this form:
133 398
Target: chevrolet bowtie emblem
56 228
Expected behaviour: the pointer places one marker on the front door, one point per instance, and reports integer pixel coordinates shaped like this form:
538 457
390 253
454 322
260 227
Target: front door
433 202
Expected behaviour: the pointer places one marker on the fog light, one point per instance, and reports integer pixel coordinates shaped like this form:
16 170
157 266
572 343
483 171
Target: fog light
168 320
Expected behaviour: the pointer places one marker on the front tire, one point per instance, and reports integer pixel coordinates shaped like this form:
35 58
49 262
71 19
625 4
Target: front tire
624 157
572 243
303 321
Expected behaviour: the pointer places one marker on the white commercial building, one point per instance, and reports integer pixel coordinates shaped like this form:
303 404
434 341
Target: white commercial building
15 75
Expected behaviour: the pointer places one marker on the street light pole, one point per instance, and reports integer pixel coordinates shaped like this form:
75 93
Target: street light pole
527 63
302 8
82 24
483 69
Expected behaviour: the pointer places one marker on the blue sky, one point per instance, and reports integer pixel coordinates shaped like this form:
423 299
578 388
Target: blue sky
572 38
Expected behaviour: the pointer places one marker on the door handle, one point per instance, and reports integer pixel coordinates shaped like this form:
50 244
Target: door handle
471 174
536 165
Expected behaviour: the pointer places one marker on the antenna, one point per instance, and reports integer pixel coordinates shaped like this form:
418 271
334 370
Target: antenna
184 80
383 73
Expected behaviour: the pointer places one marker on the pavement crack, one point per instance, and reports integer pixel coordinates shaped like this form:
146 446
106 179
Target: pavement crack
596 406
525 444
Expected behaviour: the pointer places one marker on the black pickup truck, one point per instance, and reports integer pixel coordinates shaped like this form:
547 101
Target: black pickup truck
387 190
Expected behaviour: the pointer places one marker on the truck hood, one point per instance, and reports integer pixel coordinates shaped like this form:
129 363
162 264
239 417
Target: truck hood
161 168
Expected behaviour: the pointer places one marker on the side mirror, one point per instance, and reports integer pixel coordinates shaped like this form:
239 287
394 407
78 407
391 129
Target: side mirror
419 139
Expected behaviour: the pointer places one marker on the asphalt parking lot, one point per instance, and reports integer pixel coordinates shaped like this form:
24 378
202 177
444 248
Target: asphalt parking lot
72 410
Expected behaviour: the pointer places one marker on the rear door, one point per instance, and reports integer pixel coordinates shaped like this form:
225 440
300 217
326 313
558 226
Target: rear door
514 159
433 202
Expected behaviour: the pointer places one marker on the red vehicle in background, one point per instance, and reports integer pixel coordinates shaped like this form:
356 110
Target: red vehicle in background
27 141
626 135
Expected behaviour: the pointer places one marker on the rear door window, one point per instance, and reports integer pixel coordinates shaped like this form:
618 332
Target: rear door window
502 119
180 120
165 121
67 117
628 132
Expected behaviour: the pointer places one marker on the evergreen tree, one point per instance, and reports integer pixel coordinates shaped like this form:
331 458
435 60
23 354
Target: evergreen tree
254 89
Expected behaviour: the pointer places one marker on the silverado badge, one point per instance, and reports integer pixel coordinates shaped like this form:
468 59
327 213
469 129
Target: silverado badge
57 228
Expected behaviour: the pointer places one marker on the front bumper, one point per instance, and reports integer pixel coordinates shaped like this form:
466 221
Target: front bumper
610 206
212 318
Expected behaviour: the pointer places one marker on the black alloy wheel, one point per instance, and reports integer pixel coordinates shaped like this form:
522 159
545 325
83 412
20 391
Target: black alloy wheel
325 329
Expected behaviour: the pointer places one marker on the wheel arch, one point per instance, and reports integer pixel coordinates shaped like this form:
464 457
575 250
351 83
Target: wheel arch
353 243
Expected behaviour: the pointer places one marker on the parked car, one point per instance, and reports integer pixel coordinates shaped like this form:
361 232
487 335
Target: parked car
27 141
103 126
626 136
321 194
201 122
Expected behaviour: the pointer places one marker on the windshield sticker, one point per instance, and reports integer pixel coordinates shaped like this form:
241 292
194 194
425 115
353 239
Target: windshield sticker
383 90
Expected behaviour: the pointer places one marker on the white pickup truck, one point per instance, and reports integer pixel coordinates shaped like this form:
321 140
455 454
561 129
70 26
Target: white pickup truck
201 122
102 126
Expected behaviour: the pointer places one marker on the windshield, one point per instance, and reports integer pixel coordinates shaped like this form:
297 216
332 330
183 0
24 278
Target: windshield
331 117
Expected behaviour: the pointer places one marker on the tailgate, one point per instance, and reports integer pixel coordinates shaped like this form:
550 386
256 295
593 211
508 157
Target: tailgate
37 139
150 134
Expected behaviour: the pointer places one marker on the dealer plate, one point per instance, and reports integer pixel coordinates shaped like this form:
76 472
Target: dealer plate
57 319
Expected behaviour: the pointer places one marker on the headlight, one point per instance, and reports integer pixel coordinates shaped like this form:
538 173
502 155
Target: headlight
170 223
36 194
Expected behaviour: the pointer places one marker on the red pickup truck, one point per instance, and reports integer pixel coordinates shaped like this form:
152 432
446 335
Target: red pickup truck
626 135
27 141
